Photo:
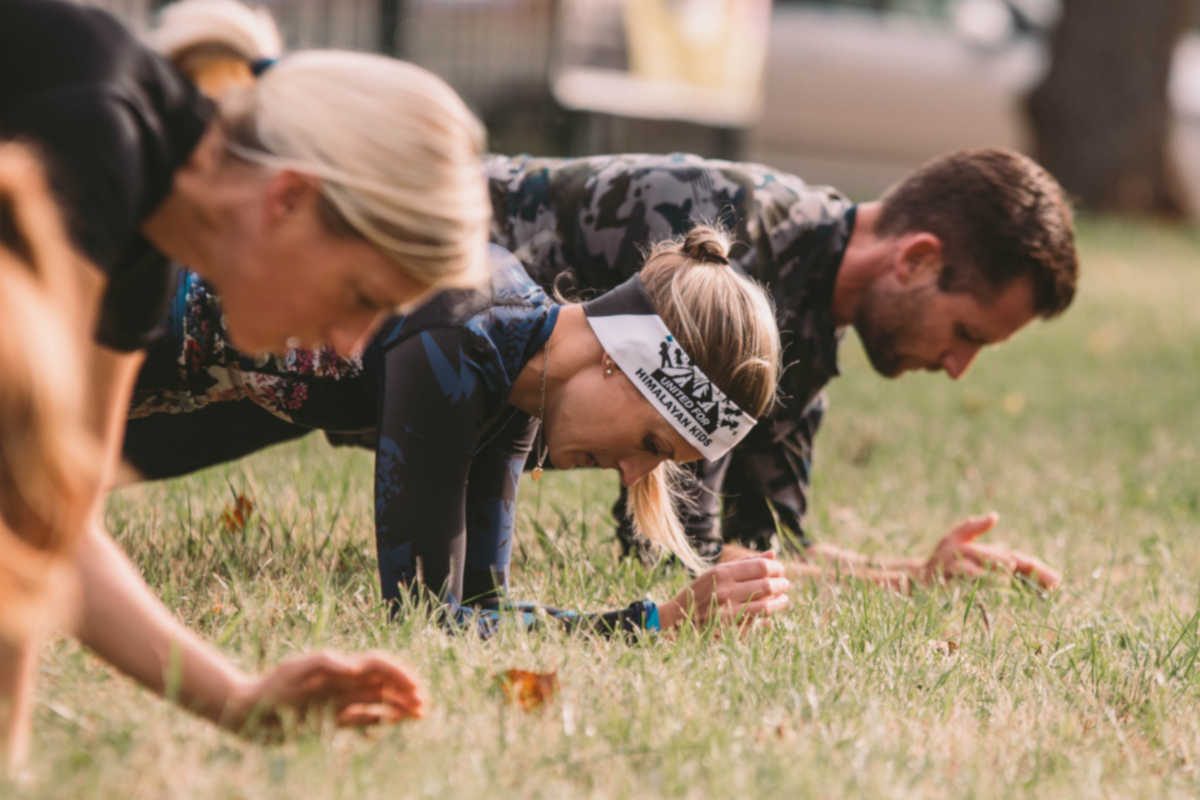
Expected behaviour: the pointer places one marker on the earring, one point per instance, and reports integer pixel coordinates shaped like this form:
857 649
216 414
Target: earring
608 367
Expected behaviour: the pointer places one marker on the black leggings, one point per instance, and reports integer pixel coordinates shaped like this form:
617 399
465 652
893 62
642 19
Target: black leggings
168 445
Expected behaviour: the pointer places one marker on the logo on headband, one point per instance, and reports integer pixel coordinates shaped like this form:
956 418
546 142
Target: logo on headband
644 348
683 390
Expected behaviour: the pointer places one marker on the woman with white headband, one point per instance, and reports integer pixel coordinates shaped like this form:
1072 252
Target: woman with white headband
671 366
338 188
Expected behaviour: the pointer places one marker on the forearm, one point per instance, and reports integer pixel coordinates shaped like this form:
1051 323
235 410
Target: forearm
18 672
895 579
120 618
831 563
830 555
127 626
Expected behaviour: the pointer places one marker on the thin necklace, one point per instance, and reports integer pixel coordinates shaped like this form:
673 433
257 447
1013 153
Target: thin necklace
544 449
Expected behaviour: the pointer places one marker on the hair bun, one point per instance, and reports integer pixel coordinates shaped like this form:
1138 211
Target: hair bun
706 245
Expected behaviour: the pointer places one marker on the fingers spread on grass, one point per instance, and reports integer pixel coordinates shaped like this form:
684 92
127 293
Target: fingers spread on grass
1046 576
988 555
973 528
1016 562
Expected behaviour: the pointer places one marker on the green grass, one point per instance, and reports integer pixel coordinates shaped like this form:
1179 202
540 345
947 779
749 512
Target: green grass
1083 432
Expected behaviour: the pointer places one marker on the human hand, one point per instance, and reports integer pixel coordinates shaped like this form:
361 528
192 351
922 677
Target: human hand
735 591
959 555
359 690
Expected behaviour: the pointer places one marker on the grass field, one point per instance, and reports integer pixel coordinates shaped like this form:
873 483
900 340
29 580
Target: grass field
1083 433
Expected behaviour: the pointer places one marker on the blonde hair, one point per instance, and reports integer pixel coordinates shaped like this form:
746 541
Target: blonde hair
399 155
726 324
215 42
47 455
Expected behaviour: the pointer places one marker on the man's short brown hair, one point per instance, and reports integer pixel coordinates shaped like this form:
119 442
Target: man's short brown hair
1000 217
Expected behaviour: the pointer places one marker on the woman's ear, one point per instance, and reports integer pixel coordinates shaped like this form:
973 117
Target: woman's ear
288 191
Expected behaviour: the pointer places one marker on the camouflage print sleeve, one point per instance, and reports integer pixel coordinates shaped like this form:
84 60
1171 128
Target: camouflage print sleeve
598 216
768 479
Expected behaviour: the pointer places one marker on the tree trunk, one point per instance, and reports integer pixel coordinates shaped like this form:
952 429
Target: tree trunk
1100 115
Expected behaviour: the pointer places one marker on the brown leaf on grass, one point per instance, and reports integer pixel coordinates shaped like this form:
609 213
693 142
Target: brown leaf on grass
1014 403
780 731
528 690
944 646
236 515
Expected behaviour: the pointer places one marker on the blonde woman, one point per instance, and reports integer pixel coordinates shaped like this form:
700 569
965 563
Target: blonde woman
49 471
673 365
337 189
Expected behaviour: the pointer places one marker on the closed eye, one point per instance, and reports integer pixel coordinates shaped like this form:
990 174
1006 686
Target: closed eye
366 302
652 446
969 336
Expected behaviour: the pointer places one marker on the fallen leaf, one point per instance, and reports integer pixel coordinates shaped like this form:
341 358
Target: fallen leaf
236 515
1014 403
944 646
528 690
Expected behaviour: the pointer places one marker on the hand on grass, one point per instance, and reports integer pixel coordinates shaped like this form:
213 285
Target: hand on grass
358 690
959 555
732 592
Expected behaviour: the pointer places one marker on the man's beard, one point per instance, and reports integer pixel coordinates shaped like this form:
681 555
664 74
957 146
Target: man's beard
885 318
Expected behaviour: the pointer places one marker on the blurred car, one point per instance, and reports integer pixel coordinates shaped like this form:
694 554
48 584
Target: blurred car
857 97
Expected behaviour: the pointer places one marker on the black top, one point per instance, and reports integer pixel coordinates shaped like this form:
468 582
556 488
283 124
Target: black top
113 121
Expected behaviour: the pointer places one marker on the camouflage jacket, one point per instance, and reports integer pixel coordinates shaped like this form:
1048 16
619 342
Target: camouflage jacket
594 218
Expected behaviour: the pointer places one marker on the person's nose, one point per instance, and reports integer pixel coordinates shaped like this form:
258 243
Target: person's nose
958 360
634 468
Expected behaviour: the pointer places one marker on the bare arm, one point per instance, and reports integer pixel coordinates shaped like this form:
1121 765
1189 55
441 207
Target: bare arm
957 554
125 624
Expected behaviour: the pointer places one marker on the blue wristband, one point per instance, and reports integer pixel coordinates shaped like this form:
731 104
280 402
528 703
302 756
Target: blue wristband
260 65
652 623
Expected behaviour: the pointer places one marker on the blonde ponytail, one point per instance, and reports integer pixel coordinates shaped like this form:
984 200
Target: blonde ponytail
652 504
725 323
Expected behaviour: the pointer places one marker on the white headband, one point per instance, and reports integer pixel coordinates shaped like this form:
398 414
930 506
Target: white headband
635 337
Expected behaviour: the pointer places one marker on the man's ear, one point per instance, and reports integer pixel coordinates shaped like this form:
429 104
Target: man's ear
289 191
919 255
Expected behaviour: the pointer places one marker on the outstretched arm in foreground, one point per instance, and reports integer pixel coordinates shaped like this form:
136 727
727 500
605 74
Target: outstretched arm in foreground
126 625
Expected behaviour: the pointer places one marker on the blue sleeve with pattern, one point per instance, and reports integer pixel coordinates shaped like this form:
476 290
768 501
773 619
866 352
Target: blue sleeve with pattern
445 503
431 398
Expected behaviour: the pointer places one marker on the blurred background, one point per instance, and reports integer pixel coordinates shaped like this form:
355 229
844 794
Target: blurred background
1105 93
